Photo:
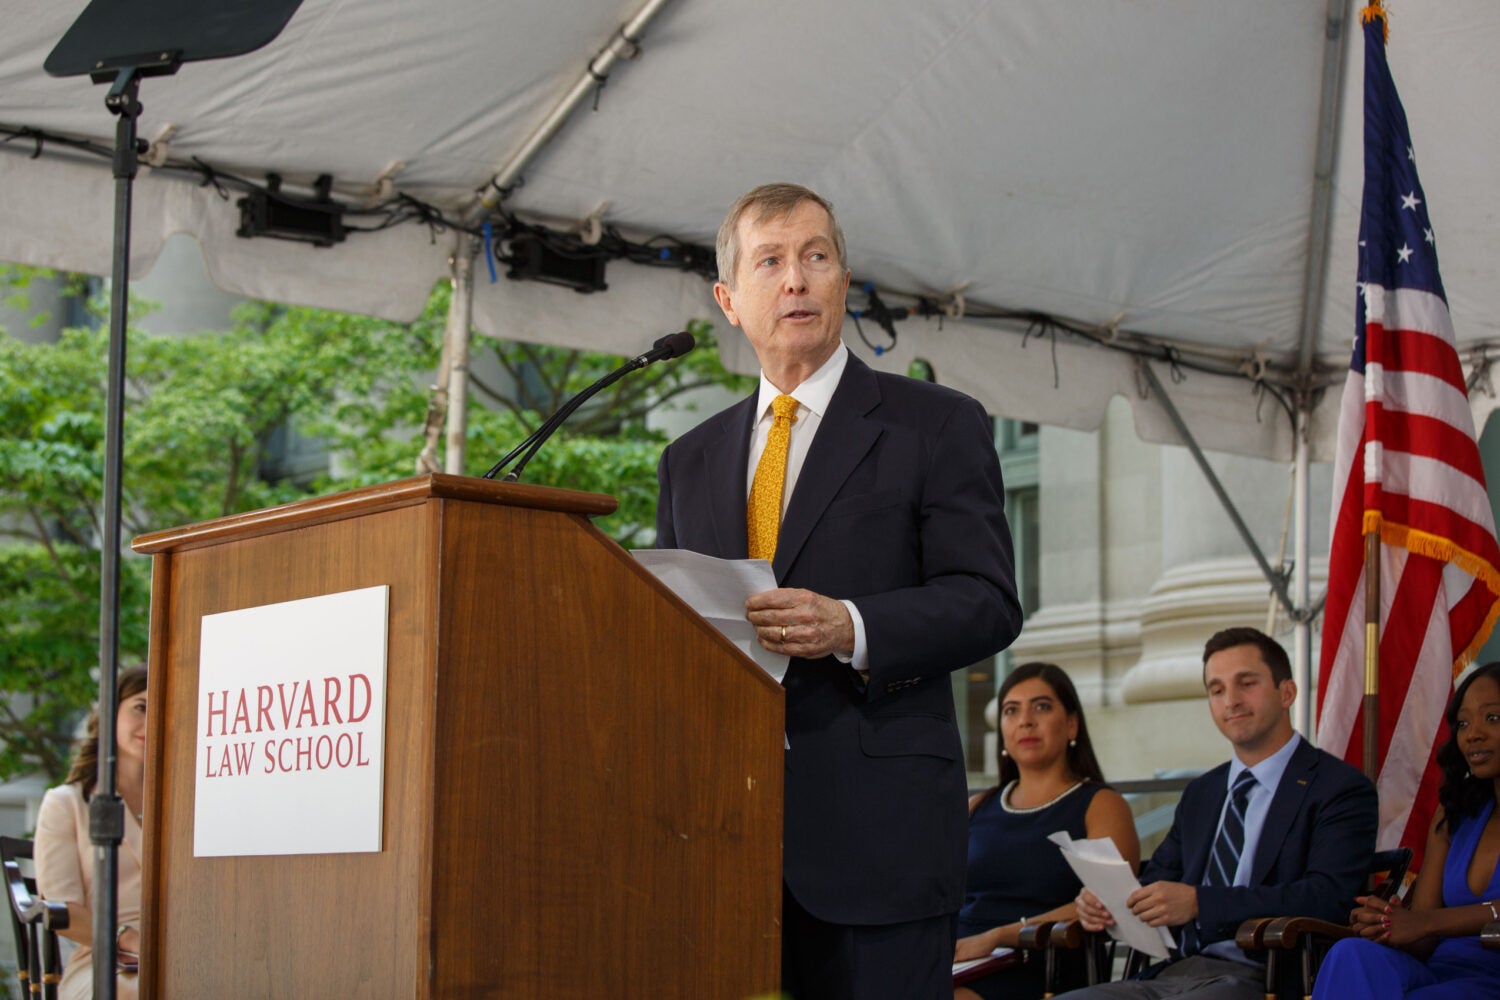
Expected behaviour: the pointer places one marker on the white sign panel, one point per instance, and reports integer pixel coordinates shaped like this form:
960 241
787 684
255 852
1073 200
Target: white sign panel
291 727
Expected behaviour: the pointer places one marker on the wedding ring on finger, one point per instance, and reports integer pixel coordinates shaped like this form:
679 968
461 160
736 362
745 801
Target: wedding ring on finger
783 633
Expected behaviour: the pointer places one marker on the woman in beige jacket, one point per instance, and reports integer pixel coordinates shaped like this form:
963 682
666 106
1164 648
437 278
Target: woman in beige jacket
65 857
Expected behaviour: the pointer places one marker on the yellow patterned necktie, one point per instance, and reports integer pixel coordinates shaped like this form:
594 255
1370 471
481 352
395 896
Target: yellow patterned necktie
763 511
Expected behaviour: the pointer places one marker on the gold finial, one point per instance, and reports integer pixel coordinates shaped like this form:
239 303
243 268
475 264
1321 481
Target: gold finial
1373 10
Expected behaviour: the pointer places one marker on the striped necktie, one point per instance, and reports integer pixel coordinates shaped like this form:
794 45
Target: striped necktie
1225 859
763 510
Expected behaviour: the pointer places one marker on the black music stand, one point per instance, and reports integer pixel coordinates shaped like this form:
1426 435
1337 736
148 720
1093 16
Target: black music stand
118 42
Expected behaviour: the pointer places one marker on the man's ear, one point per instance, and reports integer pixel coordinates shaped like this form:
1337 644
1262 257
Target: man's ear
1288 691
724 296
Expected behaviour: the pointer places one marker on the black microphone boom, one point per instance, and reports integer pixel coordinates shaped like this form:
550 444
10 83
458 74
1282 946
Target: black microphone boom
673 345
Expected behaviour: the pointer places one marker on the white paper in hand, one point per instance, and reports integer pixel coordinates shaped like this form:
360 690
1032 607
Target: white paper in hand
717 590
1102 870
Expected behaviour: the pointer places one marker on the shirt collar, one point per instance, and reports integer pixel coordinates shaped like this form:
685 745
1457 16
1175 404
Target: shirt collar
1269 771
815 392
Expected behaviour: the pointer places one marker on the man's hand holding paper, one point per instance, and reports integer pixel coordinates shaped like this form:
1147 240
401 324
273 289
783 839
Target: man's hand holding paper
1109 886
1094 915
718 589
1164 904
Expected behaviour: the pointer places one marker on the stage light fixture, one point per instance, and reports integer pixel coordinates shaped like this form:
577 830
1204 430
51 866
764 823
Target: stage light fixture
531 259
319 220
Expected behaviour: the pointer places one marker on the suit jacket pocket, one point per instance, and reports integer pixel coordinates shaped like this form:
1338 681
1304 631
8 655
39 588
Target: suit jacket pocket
907 735
862 502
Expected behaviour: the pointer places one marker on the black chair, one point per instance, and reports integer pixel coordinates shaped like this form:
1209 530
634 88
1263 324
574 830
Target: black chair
35 922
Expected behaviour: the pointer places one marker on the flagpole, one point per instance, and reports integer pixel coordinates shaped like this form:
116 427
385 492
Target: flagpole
1372 651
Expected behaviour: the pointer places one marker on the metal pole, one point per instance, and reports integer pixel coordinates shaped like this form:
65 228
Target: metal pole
1276 579
1301 581
1330 101
106 811
456 346
623 45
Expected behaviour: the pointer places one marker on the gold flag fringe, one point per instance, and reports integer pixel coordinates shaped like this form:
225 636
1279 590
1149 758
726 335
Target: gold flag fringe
1373 11
1422 543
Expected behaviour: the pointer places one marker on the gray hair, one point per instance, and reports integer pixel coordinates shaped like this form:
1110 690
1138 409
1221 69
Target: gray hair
769 201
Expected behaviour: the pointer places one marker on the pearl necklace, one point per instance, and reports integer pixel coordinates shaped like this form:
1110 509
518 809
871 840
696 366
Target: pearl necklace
1019 810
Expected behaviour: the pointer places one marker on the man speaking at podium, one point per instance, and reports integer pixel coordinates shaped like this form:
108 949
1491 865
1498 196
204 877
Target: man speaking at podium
879 502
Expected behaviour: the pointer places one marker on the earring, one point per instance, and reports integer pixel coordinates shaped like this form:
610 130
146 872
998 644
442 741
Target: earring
1072 743
1004 752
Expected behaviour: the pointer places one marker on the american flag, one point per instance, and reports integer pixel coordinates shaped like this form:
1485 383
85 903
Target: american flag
1408 467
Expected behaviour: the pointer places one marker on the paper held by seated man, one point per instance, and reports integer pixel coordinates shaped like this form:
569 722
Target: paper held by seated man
1102 870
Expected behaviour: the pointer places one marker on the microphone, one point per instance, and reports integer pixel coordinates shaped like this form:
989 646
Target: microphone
673 345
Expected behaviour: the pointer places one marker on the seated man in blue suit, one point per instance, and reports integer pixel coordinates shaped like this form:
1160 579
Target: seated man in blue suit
1282 828
879 502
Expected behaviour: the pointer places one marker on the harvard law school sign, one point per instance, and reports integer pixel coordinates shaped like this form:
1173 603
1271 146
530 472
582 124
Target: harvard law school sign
291 727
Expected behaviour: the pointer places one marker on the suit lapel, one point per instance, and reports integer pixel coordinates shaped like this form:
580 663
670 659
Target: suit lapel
845 436
1196 864
1285 805
725 461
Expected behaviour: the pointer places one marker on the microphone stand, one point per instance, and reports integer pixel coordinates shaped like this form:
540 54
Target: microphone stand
666 348
159 36
106 809
538 437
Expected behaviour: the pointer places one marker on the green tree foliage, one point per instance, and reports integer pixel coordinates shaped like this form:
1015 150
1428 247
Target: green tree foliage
202 414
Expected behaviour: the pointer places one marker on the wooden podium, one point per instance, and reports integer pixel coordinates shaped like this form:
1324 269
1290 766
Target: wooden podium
583 779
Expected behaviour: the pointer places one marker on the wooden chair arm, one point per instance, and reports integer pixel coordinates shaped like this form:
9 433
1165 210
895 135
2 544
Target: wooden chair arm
1034 937
1285 932
53 916
1065 934
1251 933
1490 936
1069 934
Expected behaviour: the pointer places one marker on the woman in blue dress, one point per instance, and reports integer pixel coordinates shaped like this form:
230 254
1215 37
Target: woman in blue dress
1049 781
1432 951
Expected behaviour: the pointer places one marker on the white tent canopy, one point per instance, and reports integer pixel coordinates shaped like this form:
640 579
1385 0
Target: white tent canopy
1144 168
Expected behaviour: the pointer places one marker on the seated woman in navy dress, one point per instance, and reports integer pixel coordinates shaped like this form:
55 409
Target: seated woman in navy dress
1432 950
1049 781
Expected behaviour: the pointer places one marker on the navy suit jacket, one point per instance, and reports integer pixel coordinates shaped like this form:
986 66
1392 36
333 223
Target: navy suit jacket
1314 853
899 508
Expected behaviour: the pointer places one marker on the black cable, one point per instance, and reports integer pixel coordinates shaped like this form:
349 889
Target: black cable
665 250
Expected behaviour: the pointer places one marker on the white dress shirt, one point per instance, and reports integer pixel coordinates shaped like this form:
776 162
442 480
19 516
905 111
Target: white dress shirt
813 396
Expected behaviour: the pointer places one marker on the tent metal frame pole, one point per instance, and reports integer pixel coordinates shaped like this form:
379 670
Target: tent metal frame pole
1315 278
1314 290
1302 718
1301 611
456 337
625 44
1276 578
